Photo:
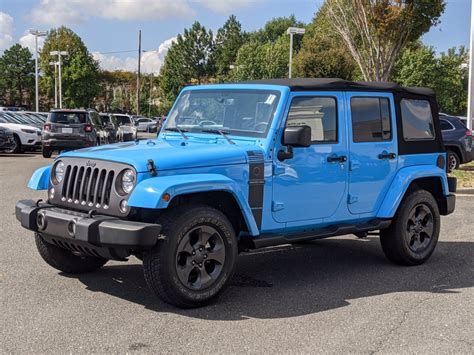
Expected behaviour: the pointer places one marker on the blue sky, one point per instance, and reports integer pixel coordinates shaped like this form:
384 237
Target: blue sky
111 25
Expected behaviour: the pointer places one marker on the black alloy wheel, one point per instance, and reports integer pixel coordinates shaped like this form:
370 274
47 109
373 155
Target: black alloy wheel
200 257
420 227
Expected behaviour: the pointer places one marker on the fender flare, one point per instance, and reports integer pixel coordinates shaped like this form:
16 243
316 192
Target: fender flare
149 192
40 178
402 181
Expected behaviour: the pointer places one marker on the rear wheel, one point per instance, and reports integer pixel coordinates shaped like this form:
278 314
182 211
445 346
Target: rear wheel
47 152
413 234
194 260
453 160
65 260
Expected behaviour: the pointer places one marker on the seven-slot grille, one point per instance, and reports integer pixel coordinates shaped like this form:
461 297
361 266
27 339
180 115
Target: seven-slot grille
87 186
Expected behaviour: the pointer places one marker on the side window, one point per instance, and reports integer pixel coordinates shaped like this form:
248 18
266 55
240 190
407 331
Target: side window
445 125
417 119
319 113
370 119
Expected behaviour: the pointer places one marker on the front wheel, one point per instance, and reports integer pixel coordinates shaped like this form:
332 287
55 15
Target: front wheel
194 259
413 234
16 148
65 260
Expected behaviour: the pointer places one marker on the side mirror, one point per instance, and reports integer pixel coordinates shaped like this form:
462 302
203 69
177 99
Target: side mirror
297 136
294 136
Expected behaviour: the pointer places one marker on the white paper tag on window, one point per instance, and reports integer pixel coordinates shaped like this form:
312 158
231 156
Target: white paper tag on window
270 99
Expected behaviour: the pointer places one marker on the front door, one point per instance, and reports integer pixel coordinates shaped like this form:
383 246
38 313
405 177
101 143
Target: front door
312 184
373 149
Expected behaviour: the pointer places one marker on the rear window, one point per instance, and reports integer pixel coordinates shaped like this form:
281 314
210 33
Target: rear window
445 125
123 120
68 117
417 120
104 119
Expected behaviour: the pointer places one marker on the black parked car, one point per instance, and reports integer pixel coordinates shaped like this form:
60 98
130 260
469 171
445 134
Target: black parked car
72 129
457 141
6 139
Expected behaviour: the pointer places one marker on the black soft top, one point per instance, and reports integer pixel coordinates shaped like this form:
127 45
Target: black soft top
309 84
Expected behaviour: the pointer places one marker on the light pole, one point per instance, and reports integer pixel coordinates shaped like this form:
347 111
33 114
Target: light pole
37 33
293 31
60 54
55 83
470 97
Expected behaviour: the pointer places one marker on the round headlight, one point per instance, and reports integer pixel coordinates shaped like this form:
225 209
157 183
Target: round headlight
59 171
128 180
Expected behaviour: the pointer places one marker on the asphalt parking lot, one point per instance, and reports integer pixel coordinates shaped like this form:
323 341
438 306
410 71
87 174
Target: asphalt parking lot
337 295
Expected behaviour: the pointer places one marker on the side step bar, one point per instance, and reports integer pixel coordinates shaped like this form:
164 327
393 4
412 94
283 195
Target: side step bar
268 240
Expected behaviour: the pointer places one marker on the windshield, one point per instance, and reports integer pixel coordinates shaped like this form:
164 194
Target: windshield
104 119
238 112
68 117
123 120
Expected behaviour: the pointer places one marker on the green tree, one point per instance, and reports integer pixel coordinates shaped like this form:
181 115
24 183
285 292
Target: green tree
189 59
275 28
80 73
446 74
229 39
262 61
17 76
376 31
323 53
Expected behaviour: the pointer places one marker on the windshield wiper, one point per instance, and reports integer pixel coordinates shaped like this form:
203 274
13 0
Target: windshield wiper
218 131
179 130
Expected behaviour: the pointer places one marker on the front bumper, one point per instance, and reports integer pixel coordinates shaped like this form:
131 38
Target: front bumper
99 235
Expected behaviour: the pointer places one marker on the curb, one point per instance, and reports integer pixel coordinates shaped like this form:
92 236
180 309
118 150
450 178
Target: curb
465 191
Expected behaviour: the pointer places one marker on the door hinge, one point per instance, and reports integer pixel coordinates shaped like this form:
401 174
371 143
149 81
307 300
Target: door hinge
277 206
352 199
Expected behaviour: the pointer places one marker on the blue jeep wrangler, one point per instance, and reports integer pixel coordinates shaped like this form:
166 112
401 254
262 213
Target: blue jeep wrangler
249 165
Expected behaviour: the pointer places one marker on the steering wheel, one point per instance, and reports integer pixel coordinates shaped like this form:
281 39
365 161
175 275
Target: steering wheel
207 123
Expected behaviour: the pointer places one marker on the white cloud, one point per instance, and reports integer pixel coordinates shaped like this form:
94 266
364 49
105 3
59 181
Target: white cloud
58 12
28 40
6 30
151 61
225 6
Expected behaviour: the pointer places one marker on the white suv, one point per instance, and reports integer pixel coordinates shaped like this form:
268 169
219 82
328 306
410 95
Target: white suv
25 137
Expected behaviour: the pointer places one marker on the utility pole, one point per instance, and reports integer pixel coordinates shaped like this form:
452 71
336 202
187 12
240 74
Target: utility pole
138 72
60 54
55 83
470 96
37 33
293 31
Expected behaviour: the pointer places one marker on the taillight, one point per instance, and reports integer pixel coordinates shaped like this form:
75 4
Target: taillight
47 127
87 128
468 133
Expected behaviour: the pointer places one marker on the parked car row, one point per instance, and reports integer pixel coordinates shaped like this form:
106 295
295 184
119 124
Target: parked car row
25 129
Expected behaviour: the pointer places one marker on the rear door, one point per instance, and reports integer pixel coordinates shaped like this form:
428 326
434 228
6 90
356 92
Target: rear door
372 149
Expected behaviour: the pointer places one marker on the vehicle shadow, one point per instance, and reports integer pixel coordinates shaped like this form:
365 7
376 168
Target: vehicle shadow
291 281
19 155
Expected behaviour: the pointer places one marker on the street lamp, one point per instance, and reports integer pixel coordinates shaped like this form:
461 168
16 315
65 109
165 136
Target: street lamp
37 33
293 31
55 83
60 54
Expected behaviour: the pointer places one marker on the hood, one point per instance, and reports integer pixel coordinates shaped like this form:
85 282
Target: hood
166 154
18 126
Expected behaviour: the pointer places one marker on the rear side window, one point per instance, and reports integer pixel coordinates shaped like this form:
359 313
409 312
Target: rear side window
319 113
417 120
445 125
370 119
68 117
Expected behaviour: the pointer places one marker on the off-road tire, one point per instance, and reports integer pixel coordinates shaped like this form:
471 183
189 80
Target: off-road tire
160 263
65 260
47 153
396 239
453 160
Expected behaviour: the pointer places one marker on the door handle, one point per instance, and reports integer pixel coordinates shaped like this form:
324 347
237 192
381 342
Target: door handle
385 155
337 159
